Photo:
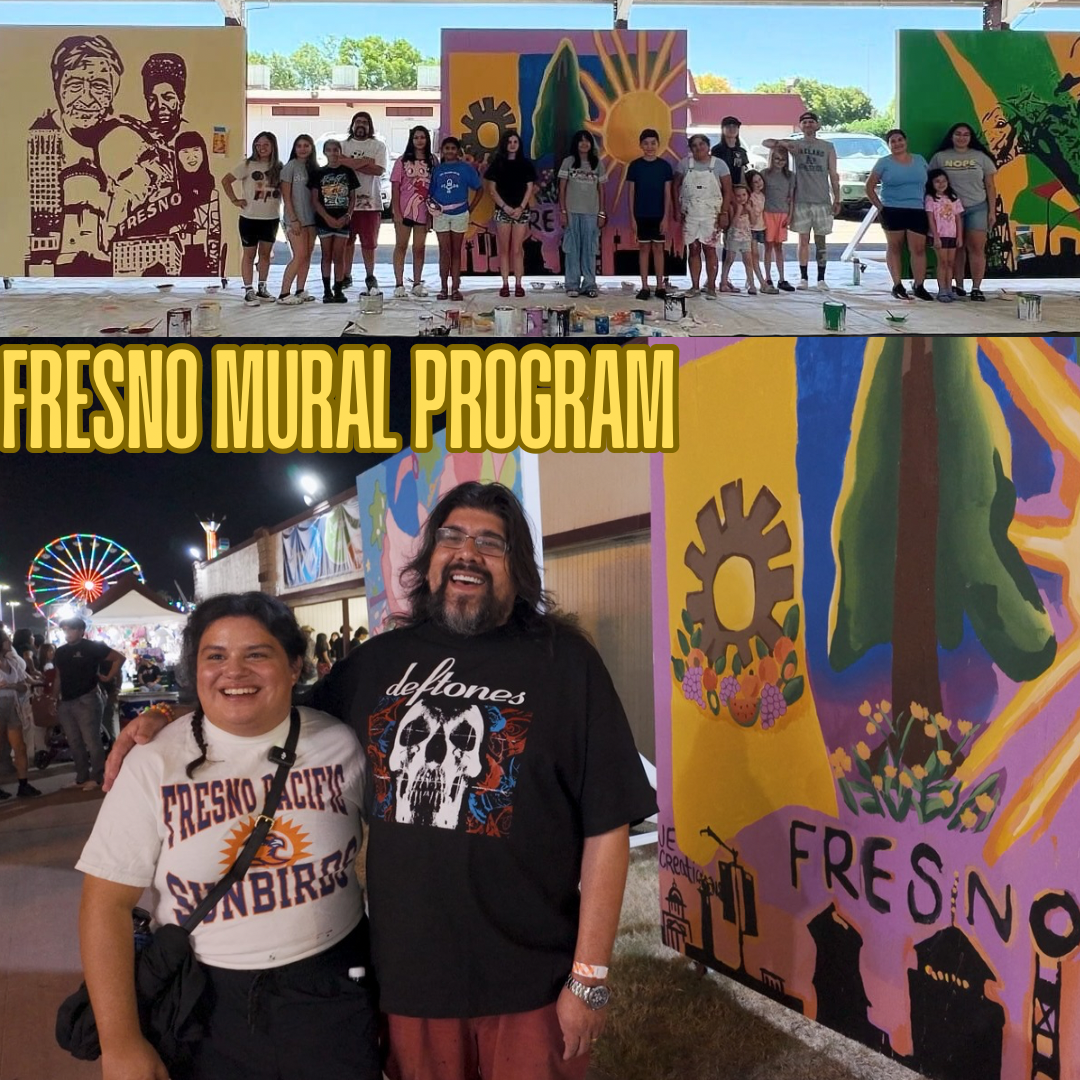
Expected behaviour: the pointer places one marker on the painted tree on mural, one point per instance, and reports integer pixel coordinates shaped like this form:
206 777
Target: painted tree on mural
921 528
561 106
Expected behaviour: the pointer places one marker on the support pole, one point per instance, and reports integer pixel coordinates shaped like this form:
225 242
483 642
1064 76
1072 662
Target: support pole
621 12
992 15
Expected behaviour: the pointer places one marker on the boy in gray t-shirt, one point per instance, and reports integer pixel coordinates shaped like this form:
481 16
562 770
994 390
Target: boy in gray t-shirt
817 193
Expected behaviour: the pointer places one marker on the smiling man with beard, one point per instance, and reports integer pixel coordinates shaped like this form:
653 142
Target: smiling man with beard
505 779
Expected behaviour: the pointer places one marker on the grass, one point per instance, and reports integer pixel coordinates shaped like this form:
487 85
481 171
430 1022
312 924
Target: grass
668 1021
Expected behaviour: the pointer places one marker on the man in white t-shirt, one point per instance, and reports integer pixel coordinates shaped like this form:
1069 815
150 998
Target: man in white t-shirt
366 156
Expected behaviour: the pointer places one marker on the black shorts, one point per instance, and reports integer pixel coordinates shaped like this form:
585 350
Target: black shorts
649 230
255 231
904 219
305 1021
947 242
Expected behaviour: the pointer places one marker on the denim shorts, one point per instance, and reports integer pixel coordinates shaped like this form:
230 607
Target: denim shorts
976 217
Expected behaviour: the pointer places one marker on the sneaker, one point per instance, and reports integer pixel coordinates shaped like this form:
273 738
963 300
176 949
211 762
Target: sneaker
592 292
26 791
643 294
660 294
346 282
945 297
769 289
573 293
921 293
249 296
710 292
400 292
692 292
900 292
306 297
785 286
91 785
977 295
328 297
751 290
822 285
339 296
803 284
263 293
371 282
419 289
958 290
291 301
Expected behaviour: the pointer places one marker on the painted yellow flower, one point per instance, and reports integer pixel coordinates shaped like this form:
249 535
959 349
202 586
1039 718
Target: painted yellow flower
943 722
871 728
840 762
919 712
968 819
863 751
905 780
965 726
865 709
944 757
984 803
890 771
885 706
918 772
878 718
930 730
879 783
947 797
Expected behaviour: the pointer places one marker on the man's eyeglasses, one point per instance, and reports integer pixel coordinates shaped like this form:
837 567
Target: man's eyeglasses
493 546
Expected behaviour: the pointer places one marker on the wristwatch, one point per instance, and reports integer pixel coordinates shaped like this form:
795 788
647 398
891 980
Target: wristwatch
596 997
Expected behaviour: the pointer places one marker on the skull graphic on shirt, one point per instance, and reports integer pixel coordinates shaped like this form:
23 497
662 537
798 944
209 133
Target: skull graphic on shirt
436 756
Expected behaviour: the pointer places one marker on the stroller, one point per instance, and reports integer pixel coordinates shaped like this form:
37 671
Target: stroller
56 749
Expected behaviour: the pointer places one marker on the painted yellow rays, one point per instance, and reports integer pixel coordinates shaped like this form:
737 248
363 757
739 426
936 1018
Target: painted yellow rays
1036 378
634 101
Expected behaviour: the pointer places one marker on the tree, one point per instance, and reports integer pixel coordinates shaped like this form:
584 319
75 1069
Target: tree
878 124
835 106
384 65
713 84
311 66
282 75
922 546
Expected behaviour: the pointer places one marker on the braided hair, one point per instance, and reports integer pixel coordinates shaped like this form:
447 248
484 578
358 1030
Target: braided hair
271 612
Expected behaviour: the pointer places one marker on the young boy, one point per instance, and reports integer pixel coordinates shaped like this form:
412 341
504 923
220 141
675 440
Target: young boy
650 198
452 180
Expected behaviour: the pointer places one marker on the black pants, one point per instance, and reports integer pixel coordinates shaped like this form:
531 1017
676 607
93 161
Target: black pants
303 1021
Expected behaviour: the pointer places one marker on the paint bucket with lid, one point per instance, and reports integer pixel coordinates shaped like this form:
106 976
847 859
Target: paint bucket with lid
534 322
504 321
558 322
178 322
1029 306
207 318
674 307
834 315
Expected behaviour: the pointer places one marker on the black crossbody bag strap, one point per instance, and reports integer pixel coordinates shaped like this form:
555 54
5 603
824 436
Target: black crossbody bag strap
284 758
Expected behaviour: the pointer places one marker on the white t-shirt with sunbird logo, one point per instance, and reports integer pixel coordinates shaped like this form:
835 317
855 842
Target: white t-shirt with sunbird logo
176 837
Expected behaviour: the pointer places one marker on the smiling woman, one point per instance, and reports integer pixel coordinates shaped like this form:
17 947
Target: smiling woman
191 797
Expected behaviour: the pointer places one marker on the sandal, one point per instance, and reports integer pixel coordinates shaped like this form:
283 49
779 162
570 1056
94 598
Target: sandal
456 295
504 291
443 295
519 290
727 287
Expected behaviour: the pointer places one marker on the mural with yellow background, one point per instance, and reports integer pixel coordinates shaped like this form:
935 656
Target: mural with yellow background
121 136
868 712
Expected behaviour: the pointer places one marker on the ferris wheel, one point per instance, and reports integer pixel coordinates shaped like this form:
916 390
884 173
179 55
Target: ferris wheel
75 570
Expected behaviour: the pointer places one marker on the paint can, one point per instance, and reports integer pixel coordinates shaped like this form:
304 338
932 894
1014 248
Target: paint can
1029 306
178 322
603 325
577 323
674 307
834 315
371 303
426 325
453 318
638 317
534 322
504 321
465 323
207 318
558 322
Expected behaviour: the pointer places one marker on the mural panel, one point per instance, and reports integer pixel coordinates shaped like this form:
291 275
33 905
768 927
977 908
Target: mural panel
868 710
547 84
121 136
1021 93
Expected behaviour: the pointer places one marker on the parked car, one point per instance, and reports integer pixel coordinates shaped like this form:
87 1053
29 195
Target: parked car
856 154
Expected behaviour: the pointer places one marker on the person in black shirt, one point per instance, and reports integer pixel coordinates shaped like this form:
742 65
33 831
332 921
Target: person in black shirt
333 195
730 149
510 180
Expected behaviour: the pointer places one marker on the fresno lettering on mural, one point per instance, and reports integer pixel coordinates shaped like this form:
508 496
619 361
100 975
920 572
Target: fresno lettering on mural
441 682
77 399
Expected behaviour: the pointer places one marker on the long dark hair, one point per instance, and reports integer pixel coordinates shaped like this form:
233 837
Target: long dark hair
592 157
501 152
271 612
975 144
534 610
931 176
311 164
274 172
409 153
371 124
194 186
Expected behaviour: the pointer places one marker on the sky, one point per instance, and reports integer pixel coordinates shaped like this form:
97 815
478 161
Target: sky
748 44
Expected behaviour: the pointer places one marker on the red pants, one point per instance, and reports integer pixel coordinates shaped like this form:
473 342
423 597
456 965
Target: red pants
516 1046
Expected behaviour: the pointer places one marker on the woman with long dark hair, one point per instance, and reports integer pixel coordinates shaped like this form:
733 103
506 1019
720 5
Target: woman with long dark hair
410 187
260 210
198 190
971 171
581 208
510 180
299 218
285 941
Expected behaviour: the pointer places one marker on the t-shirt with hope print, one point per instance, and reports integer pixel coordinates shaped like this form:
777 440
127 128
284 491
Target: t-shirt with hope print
176 837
